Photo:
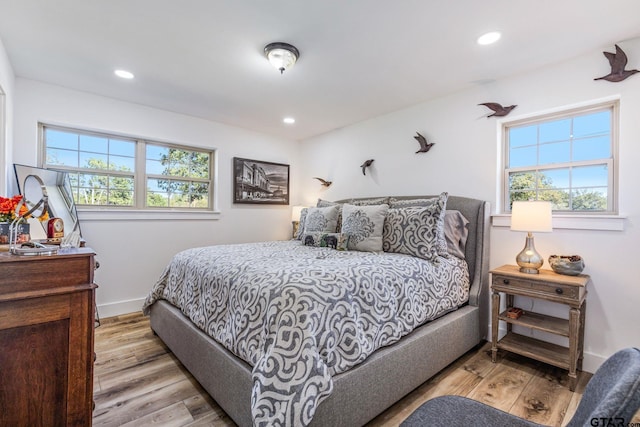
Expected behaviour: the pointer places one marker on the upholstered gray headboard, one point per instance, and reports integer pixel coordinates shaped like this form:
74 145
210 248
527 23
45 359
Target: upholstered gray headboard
477 213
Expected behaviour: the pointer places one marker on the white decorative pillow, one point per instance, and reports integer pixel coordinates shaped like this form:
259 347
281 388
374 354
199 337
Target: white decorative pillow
324 220
417 231
337 241
324 203
364 226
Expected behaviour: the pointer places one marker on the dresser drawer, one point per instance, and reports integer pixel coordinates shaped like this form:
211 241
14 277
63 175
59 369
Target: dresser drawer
536 288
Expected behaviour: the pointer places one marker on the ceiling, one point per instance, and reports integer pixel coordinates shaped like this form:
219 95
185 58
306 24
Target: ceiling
358 58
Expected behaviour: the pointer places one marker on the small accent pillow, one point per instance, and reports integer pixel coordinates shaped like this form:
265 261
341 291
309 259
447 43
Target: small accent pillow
324 203
337 241
417 231
323 220
364 226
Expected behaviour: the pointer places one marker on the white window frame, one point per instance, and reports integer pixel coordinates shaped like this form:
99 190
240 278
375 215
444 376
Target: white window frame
139 210
612 163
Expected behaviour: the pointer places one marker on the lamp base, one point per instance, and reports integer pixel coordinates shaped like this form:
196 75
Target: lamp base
529 259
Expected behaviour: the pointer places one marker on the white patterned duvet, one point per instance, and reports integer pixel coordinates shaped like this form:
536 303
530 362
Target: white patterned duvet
299 314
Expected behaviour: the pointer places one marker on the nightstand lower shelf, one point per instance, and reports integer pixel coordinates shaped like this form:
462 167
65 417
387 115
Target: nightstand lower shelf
536 349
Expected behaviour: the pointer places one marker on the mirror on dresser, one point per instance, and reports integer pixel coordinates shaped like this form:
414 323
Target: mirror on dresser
58 186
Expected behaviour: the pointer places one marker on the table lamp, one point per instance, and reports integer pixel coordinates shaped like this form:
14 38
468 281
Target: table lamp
295 218
530 216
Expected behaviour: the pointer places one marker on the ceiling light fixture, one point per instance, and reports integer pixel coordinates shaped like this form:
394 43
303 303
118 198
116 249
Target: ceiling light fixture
489 38
281 55
289 120
124 74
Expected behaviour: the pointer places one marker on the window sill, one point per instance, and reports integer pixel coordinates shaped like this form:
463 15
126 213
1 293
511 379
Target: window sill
144 215
573 222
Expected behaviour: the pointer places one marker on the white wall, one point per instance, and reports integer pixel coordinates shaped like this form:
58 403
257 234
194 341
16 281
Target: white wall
7 79
133 253
465 162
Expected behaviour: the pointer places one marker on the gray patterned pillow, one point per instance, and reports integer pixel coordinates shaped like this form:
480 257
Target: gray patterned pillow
364 226
301 222
337 241
417 231
324 203
323 220
410 203
369 202
442 244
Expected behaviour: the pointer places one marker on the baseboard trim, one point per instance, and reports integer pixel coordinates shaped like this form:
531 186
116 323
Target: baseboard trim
121 307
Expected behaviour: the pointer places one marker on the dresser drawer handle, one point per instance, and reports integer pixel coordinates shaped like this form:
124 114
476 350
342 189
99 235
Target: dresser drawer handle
505 281
559 291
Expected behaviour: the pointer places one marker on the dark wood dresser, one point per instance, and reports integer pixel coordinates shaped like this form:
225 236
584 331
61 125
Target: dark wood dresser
46 339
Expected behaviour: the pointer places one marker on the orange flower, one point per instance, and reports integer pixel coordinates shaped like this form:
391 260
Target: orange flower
8 207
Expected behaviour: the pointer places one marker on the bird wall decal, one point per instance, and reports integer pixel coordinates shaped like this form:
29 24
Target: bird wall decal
424 145
365 165
618 62
498 110
323 181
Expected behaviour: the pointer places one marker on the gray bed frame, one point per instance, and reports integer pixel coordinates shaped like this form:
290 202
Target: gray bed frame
371 387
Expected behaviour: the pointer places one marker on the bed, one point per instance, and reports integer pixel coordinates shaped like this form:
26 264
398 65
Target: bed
254 369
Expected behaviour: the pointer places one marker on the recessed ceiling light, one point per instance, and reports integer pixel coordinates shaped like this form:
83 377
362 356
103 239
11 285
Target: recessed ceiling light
124 74
489 38
289 120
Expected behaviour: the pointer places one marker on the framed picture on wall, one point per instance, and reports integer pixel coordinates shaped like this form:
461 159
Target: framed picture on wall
258 182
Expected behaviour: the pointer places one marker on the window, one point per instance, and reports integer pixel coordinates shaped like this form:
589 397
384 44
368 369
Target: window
116 171
567 159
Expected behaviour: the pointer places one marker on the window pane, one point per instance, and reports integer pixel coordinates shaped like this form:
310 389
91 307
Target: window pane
593 199
157 200
558 152
122 147
558 130
555 178
155 152
120 191
119 163
154 167
590 176
62 157
559 198
60 139
521 136
526 156
94 144
93 161
592 148
200 165
592 124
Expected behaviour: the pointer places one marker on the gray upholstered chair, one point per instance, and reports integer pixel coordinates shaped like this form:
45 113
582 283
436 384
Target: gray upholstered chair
611 397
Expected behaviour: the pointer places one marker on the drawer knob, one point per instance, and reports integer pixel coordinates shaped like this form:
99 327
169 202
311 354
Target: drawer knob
559 291
505 281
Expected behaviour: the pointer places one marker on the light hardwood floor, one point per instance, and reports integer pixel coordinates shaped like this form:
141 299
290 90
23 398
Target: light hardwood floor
139 382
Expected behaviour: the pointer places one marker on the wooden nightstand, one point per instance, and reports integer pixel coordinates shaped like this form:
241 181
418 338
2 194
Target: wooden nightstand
548 286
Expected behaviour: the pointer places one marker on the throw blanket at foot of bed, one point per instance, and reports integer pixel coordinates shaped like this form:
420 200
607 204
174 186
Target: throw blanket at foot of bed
300 314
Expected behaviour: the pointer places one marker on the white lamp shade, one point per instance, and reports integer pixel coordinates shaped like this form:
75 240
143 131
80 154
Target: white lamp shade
531 216
295 212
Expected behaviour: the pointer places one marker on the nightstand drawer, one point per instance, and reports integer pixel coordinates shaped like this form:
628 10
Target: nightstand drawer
555 290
